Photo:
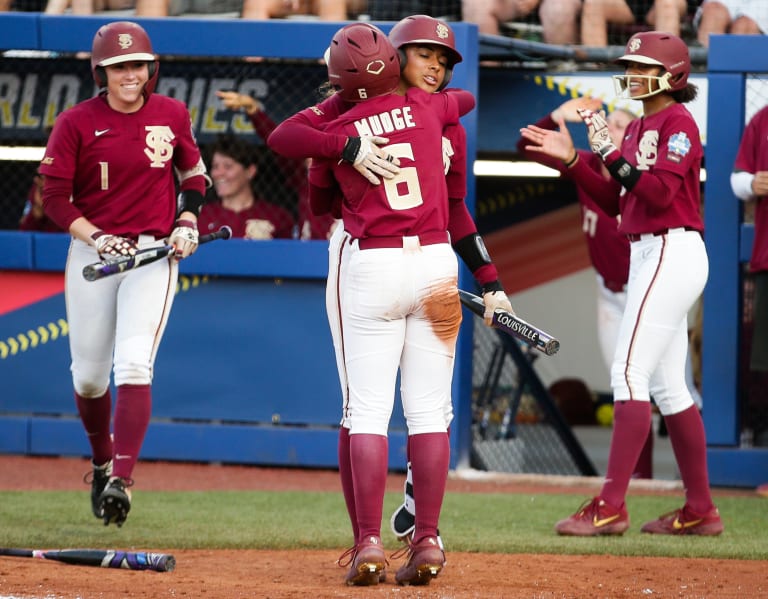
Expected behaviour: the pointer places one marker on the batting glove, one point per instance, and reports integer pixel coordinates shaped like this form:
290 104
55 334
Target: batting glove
110 247
597 132
368 159
495 300
184 238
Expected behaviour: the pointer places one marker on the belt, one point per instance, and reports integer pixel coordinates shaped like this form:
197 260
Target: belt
431 238
644 236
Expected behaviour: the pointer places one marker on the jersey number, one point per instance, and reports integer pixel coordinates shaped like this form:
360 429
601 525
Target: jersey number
403 190
104 172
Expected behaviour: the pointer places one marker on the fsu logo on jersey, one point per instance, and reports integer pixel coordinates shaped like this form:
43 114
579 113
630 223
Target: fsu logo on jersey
125 40
159 148
647 150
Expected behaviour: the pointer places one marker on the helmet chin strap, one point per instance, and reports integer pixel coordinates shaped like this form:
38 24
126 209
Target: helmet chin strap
621 84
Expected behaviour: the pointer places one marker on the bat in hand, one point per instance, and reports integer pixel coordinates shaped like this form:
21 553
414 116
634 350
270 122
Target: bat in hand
103 558
99 270
513 325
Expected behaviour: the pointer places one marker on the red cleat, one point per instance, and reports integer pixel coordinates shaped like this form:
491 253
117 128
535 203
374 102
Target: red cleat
595 518
686 522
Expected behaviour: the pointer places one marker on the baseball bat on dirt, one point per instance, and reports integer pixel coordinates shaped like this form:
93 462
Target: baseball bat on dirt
103 558
99 270
513 325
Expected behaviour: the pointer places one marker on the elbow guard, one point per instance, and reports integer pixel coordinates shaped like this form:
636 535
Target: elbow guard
472 251
190 200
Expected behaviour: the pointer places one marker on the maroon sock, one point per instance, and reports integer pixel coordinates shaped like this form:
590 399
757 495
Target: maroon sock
644 466
631 423
369 459
430 459
132 412
95 413
345 473
686 434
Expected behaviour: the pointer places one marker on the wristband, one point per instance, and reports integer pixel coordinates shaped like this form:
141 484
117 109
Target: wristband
573 160
351 149
190 200
472 251
624 172
492 286
96 234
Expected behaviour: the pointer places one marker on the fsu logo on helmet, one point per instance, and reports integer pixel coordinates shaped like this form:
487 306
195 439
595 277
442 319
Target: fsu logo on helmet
125 40
634 45
375 67
442 31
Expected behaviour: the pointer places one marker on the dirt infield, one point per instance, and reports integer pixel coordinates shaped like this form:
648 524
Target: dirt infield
300 574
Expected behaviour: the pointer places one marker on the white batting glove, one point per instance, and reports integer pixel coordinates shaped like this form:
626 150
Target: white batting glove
495 300
368 159
447 154
110 247
257 228
597 132
184 238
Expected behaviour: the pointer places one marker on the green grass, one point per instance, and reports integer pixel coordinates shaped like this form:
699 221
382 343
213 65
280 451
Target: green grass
498 523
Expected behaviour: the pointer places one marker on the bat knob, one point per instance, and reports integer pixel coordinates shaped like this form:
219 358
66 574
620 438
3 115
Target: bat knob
226 232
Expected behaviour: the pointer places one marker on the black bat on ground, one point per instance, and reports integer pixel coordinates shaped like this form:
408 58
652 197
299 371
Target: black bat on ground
513 325
99 270
103 558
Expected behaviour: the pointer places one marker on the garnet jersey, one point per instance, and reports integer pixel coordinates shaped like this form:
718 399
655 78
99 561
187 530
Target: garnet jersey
664 143
416 200
753 157
214 215
121 166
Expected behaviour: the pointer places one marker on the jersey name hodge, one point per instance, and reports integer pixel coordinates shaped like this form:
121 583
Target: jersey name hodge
396 119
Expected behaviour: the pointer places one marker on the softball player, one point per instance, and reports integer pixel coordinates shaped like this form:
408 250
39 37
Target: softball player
115 156
418 36
398 299
655 189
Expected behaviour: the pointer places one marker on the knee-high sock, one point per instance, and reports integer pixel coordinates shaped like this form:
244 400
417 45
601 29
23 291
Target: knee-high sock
430 458
631 423
686 434
644 466
95 414
369 459
345 473
132 413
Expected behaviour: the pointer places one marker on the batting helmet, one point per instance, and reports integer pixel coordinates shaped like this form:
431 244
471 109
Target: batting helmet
122 41
659 49
423 29
362 63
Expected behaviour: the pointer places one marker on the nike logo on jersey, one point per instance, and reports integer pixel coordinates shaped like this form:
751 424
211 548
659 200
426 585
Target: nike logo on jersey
100 132
121 456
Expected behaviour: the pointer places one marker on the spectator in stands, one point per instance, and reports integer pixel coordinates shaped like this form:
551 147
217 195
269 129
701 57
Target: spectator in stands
34 217
325 10
86 7
559 18
22 5
294 171
394 10
598 15
233 170
739 17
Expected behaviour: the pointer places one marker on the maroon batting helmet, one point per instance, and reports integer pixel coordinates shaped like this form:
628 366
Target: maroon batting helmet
660 49
423 29
362 63
122 41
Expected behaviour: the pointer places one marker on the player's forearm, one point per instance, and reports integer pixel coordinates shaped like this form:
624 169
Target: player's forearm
56 202
604 191
296 138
